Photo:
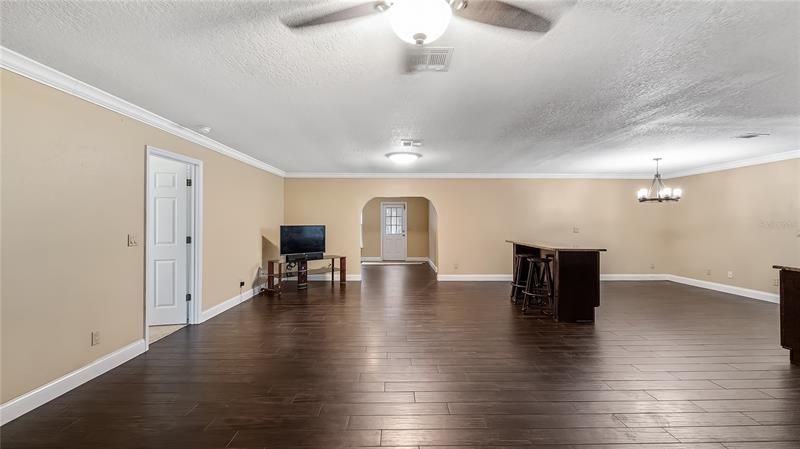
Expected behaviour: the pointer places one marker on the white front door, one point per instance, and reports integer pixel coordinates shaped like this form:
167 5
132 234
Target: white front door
393 231
168 249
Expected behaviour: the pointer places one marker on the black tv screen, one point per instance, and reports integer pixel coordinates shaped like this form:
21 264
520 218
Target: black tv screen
302 239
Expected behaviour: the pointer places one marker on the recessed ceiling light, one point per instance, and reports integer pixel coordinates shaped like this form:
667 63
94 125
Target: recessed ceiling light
203 129
403 157
751 135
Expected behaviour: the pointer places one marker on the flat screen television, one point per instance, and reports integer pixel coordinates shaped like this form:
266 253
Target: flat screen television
305 241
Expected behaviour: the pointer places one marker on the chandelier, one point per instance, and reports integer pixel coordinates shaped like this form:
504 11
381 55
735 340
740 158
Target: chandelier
658 191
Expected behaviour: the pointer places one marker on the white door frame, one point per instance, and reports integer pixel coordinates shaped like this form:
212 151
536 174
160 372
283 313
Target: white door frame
405 225
196 259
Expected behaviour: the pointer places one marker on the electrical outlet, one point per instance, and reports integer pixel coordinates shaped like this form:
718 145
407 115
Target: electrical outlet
455 266
708 272
652 266
241 284
775 282
730 275
132 240
95 338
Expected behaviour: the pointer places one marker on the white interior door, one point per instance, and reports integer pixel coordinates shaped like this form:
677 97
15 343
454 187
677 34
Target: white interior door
167 231
393 231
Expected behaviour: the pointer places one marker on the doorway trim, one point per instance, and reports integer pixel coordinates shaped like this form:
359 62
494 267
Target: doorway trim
405 226
196 216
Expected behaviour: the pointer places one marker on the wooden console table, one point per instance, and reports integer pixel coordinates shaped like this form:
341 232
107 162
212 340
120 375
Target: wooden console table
790 311
576 278
280 270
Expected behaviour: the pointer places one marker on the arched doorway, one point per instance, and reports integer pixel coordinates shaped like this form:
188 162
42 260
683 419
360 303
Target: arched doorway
399 231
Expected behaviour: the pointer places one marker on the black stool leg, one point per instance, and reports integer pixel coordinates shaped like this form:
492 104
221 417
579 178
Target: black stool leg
528 285
548 278
515 279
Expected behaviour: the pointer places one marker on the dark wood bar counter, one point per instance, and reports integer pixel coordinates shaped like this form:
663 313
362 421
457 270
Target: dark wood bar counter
790 311
576 278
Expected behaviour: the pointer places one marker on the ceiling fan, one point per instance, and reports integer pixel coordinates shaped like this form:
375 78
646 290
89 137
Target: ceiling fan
421 22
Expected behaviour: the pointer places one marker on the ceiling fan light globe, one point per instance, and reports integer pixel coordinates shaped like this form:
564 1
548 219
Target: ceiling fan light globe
411 18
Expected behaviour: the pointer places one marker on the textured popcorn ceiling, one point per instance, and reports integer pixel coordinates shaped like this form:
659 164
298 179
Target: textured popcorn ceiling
614 83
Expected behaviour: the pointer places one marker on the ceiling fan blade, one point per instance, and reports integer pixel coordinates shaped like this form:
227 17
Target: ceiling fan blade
355 12
501 14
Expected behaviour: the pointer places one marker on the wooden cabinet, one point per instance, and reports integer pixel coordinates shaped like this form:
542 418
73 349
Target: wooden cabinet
790 311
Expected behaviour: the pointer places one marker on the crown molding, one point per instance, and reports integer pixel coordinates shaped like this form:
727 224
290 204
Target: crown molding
24 66
308 175
766 159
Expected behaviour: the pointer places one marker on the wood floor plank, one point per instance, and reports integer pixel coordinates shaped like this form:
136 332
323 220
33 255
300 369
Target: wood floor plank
402 361
710 394
774 418
684 419
736 433
418 422
748 405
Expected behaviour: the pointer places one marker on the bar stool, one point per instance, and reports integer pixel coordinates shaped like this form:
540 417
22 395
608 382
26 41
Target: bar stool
550 260
518 278
539 286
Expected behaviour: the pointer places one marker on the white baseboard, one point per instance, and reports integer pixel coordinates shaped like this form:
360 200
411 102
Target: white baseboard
327 277
225 305
733 290
634 277
716 286
23 404
474 277
433 266
407 259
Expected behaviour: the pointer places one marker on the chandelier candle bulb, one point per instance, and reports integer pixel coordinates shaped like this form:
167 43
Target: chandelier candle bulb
658 191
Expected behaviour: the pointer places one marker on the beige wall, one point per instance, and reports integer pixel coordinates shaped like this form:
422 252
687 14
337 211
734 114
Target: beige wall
743 220
433 236
417 230
475 216
73 187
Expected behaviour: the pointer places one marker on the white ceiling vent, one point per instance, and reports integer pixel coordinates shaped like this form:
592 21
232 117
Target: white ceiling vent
430 59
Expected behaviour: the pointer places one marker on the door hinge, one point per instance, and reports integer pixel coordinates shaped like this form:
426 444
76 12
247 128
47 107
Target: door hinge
188 182
188 296
188 239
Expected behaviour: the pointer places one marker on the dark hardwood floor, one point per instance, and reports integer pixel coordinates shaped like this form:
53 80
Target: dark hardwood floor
403 361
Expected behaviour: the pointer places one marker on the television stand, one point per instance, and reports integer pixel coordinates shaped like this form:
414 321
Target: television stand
281 270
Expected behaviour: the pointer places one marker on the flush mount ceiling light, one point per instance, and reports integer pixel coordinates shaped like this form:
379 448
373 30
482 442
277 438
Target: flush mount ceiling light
403 157
420 21
658 191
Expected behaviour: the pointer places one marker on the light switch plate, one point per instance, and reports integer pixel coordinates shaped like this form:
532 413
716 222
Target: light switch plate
95 338
132 240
